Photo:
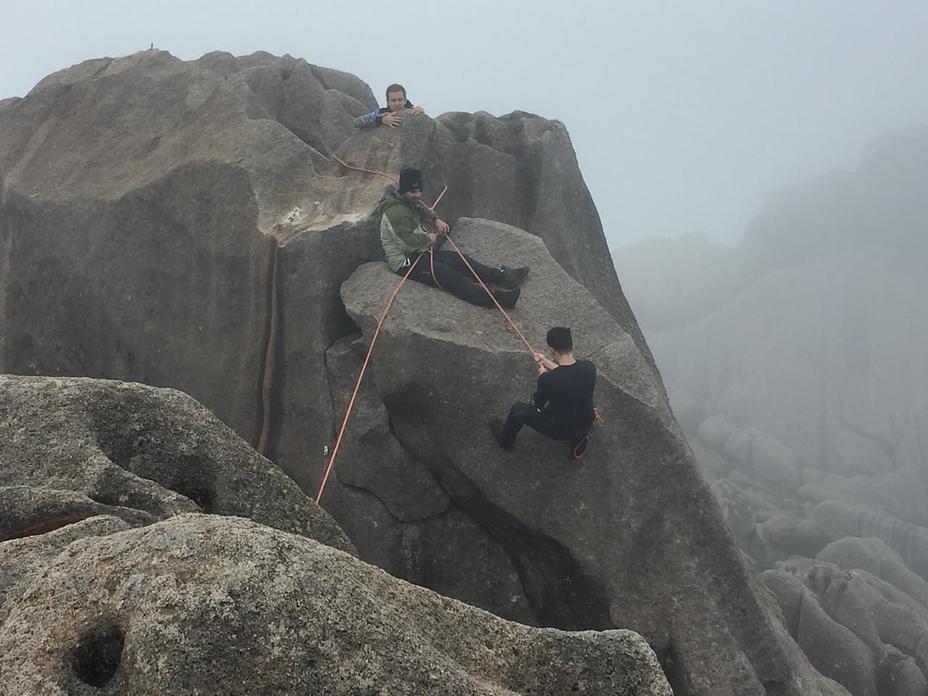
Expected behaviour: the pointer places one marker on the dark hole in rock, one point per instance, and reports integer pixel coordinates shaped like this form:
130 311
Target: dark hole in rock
97 654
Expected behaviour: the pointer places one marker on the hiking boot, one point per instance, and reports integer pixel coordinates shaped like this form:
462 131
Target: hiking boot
496 427
507 297
513 277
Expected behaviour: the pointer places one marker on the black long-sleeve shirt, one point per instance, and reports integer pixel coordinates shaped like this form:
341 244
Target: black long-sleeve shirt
566 394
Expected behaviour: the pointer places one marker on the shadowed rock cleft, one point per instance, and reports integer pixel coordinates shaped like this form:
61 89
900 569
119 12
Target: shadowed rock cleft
190 475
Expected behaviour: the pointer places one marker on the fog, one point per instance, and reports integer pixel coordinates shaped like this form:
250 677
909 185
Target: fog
684 116
760 170
796 364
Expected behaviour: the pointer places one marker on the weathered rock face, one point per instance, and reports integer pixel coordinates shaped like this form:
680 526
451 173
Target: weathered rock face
599 543
212 605
139 193
23 559
410 530
182 224
74 448
876 558
134 195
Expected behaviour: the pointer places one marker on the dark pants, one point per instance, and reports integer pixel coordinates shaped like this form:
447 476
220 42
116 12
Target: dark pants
452 274
524 413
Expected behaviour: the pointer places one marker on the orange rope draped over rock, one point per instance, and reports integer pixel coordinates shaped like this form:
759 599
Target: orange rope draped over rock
492 297
383 316
357 384
370 171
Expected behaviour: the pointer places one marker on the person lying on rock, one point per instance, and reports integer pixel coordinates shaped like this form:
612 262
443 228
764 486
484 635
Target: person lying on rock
408 229
391 114
562 406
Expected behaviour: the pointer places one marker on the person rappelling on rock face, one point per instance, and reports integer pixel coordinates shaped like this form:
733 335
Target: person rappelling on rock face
391 114
562 406
408 229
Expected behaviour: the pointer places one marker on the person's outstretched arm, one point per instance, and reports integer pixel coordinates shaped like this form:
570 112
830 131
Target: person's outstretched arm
367 120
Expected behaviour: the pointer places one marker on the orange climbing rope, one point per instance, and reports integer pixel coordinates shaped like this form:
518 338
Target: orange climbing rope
372 171
357 384
383 316
492 297
431 208
435 204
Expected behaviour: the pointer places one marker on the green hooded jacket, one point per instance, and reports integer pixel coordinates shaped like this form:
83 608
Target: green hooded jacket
402 228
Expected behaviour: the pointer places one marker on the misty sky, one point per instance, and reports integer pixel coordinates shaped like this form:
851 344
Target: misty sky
683 114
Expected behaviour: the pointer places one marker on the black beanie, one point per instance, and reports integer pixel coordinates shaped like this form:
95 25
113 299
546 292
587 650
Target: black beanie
410 180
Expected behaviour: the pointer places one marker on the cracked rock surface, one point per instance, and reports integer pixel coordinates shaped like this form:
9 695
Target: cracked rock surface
221 605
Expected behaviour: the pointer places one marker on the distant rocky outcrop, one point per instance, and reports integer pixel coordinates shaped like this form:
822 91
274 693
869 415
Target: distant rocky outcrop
860 631
185 225
795 365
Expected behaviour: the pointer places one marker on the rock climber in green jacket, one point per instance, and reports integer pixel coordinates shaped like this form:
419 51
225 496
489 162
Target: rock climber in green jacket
408 229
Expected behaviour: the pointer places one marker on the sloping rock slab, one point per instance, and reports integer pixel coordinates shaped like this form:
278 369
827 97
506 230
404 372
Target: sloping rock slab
201 604
614 540
127 445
